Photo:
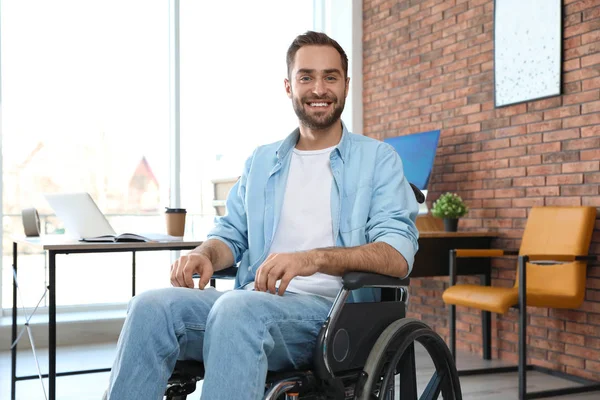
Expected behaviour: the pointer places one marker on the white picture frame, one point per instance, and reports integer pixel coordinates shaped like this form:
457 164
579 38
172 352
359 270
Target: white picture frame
527 50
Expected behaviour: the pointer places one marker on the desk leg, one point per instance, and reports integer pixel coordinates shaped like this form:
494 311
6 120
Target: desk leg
486 320
13 350
452 316
52 327
133 274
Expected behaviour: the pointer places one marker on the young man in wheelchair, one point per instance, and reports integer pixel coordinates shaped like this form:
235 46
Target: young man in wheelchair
306 209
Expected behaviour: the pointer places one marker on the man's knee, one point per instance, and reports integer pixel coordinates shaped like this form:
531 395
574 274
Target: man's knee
150 305
236 308
159 305
178 306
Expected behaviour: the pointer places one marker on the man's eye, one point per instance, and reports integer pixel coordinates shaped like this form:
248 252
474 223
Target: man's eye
304 78
331 78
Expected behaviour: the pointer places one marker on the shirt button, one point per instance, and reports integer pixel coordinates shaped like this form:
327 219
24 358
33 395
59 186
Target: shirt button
249 268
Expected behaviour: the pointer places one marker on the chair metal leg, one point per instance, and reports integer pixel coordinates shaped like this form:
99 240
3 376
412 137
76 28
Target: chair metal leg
452 328
486 322
523 327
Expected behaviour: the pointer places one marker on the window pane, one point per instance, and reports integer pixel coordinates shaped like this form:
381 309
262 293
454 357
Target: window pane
85 108
232 91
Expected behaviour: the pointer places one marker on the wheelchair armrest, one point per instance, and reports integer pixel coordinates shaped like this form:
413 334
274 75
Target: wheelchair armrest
356 280
227 273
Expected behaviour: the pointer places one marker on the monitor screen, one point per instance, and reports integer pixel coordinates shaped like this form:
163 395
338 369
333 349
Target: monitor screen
417 152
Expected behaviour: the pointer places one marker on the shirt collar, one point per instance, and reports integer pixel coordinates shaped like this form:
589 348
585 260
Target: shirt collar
290 141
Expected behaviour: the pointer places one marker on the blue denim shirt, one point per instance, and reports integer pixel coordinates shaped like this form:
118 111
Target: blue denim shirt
371 201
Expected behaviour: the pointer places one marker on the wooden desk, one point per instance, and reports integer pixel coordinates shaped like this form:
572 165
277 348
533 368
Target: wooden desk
58 245
433 258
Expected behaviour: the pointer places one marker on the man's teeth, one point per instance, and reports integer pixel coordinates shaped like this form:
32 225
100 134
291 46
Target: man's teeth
318 104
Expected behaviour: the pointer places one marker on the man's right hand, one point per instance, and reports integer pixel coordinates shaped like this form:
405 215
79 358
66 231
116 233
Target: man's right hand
183 269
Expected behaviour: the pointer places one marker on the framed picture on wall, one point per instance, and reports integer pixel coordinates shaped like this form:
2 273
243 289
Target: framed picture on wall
527 50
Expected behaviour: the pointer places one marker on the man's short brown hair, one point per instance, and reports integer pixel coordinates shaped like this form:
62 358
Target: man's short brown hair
311 38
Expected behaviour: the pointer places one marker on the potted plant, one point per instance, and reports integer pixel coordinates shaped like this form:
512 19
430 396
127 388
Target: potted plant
450 207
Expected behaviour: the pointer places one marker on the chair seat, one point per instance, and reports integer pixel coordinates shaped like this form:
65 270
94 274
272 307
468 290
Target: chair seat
499 299
488 298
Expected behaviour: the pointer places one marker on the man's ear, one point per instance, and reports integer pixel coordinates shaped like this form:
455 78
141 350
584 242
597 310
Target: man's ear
288 87
347 86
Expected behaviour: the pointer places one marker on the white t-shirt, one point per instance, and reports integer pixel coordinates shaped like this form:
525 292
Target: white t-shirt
305 222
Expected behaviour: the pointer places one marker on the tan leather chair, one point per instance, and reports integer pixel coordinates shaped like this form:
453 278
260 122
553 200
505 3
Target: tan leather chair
554 248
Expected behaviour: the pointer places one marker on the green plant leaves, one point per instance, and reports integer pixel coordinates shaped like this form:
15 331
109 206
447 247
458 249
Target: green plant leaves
449 205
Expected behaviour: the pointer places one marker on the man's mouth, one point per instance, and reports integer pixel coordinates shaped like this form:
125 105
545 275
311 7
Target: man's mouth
318 104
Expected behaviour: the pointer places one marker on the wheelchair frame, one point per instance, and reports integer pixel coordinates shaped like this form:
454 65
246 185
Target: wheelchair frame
389 342
345 350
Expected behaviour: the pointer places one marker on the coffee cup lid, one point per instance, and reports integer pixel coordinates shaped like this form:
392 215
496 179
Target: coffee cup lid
175 210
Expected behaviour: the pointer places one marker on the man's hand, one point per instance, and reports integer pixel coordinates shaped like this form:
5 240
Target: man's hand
183 269
284 266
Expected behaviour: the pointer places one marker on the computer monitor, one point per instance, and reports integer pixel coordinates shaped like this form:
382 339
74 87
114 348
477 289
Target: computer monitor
417 152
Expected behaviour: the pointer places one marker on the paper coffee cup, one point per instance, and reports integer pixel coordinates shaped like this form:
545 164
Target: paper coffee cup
175 219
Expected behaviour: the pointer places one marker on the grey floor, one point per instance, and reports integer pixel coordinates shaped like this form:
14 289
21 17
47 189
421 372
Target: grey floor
91 386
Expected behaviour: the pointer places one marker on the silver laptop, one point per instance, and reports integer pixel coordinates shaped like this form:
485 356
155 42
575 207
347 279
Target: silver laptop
80 215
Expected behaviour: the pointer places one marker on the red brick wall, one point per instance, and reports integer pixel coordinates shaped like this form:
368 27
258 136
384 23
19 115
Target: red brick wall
428 64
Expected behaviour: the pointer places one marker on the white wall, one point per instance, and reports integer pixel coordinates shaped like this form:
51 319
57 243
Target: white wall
342 20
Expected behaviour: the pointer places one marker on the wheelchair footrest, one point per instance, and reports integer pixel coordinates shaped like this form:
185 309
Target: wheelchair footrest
184 378
182 388
305 381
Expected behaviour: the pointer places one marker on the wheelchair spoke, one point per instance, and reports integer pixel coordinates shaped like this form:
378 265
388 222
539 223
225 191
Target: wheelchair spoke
432 391
408 374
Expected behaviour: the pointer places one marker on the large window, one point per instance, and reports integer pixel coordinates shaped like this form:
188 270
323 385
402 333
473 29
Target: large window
85 90
85 107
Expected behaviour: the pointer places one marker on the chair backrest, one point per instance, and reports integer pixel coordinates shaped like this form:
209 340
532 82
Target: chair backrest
558 230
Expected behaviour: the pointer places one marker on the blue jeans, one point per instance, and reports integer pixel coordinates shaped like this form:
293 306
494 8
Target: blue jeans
238 334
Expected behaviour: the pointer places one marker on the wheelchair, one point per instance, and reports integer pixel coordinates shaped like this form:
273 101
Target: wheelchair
364 351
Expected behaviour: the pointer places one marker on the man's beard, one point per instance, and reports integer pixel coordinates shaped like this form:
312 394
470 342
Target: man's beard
320 122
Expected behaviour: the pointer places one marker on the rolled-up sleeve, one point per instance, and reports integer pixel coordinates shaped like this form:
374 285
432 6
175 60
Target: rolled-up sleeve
232 228
394 208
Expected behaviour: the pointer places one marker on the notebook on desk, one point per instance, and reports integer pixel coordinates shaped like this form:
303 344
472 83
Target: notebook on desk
84 221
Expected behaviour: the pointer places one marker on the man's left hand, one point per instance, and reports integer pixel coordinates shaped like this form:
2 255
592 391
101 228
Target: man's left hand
284 266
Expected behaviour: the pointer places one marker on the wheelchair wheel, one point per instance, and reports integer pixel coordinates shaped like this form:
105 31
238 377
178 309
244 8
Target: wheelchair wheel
394 355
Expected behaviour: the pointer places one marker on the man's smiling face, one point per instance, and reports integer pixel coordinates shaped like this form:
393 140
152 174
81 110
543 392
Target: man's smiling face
317 86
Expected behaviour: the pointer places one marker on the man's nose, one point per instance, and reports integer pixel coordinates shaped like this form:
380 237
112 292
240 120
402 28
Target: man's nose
319 88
